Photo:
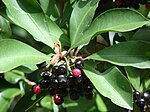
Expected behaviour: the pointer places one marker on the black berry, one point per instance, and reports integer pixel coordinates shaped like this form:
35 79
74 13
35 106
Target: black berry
79 64
62 69
44 83
89 95
136 95
146 96
62 80
74 96
55 70
51 91
46 75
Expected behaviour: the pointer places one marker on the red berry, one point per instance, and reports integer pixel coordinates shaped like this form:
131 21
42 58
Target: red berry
147 6
118 3
58 99
36 89
76 72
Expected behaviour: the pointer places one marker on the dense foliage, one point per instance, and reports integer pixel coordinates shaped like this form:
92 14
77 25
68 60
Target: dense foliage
74 56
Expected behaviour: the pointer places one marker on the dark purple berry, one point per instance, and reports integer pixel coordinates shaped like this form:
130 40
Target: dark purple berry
79 64
41 65
74 96
78 80
88 88
54 83
62 69
141 103
44 83
62 92
146 96
46 75
70 79
136 95
51 91
62 80
89 95
55 70
143 2
58 99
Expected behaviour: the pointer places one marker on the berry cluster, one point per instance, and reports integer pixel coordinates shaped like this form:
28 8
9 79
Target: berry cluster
132 3
141 99
59 84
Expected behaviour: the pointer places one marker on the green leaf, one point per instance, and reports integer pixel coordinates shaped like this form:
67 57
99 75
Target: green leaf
14 76
50 9
145 84
5 31
116 20
100 104
134 77
26 102
46 102
130 53
6 97
29 15
111 84
81 18
14 53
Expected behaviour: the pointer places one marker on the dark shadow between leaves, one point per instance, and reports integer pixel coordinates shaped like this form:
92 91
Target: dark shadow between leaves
29 6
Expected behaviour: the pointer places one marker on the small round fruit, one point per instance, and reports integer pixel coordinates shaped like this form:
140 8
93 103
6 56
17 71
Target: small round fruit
62 92
70 79
76 72
147 6
44 83
118 3
62 69
89 95
146 96
136 95
141 103
62 81
74 96
51 91
41 65
88 88
54 83
36 89
46 75
79 64
58 99
55 70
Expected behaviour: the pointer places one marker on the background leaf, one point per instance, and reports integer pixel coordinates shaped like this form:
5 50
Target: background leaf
81 18
14 76
5 31
112 20
111 84
6 98
131 53
15 53
134 77
29 15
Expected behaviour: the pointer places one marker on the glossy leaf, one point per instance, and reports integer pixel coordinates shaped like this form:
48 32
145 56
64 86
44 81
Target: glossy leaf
5 31
29 15
116 20
6 97
46 102
81 18
134 77
14 76
14 53
50 9
131 53
111 84
22 104
145 84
